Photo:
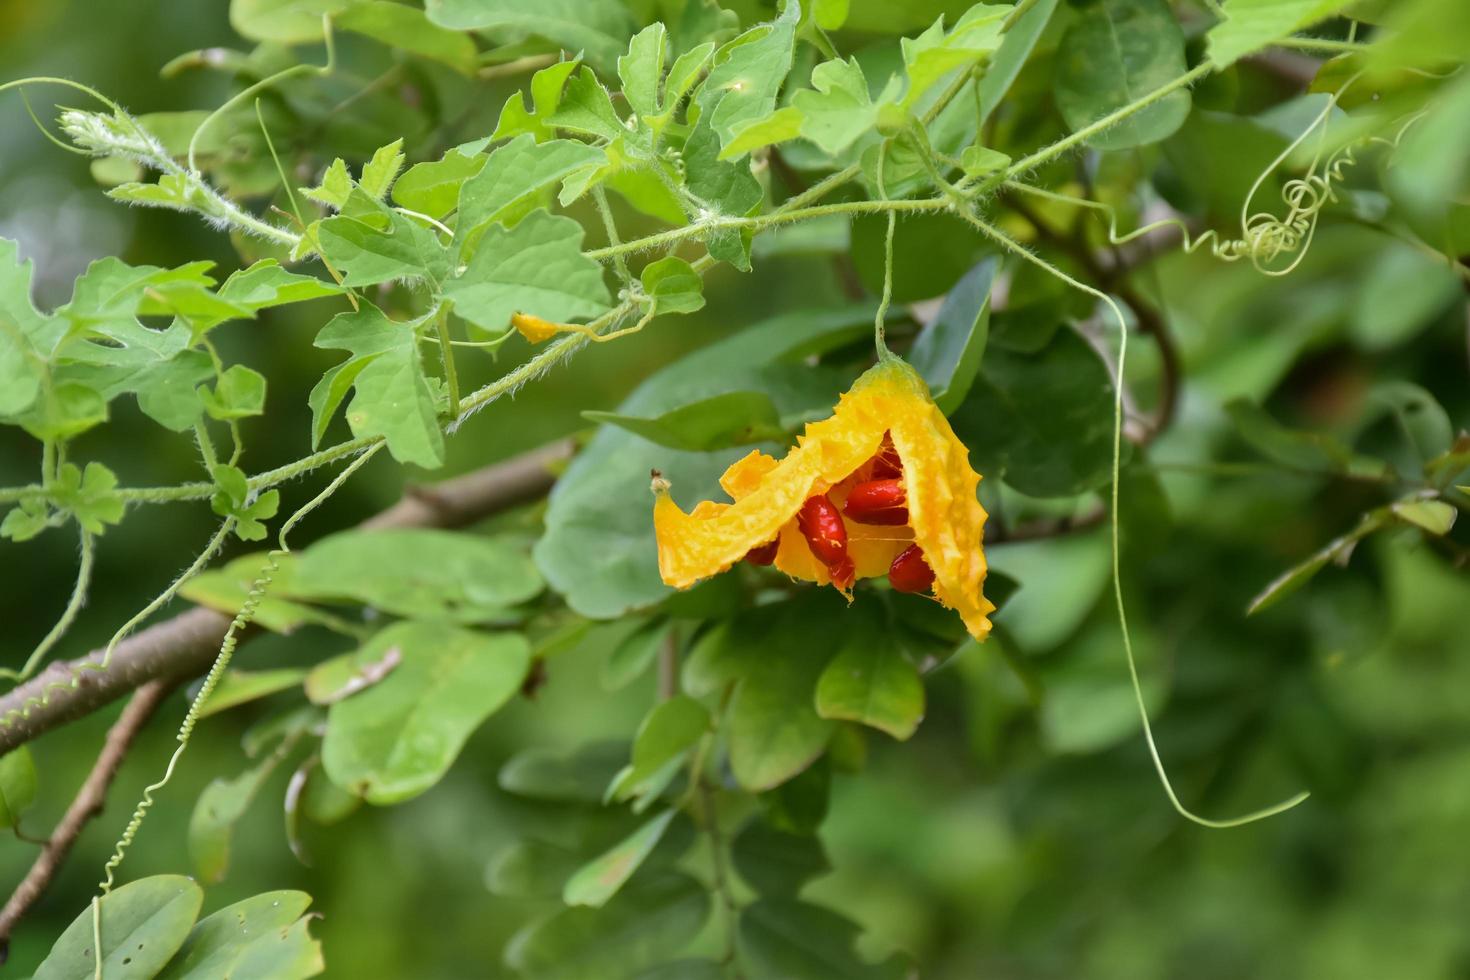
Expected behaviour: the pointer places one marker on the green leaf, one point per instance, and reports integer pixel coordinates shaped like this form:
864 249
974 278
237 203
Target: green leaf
777 863
266 284
773 731
598 551
1339 549
684 74
600 879
631 658
381 245
664 738
747 75
531 868
729 188
1043 421
931 253
143 924
418 573
17 785
282 21
1116 52
395 739
332 680
335 188
840 109
90 495
433 188
586 107
1434 516
642 69
239 687
225 589
218 809
64 412
947 353
391 396
1402 293
512 175
934 54
1419 416
781 125
546 89
25 520
536 267
1290 447
238 394
1251 25
378 173
233 499
674 285
264 937
977 161
578 775
1015 50
871 682
683 970
408 29
599 30
651 920
781 937
737 418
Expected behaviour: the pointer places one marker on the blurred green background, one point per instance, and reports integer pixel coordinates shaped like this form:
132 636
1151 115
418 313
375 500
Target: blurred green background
1004 840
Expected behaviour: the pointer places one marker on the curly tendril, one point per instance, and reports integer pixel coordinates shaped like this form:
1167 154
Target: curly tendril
243 618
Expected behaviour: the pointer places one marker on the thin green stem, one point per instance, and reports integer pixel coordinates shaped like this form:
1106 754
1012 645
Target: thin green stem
1066 143
264 84
880 340
280 170
1322 44
605 209
555 352
761 222
446 354
206 447
1010 245
68 615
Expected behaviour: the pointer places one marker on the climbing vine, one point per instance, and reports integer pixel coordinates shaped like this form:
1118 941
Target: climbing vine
992 200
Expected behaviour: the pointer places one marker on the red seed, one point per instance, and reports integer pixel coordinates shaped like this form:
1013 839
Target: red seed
910 572
880 502
843 573
765 554
821 525
886 465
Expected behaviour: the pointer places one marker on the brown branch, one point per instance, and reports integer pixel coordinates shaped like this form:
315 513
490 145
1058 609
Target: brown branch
87 804
185 646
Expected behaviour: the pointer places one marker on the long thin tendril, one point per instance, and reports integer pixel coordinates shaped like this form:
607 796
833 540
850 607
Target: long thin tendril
68 615
1010 245
243 618
1264 238
101 664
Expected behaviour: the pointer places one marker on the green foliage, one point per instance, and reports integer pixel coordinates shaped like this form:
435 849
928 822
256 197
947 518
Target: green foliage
17 785
1118 52
759 777
397 737
144 923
